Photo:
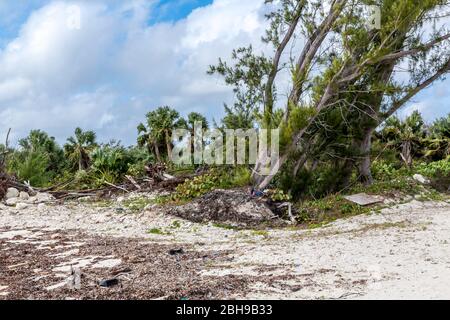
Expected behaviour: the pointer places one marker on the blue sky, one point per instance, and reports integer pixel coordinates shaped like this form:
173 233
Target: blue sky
170 10
106 66
15 12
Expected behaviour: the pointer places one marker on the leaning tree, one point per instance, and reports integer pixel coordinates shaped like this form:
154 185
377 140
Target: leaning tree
336 64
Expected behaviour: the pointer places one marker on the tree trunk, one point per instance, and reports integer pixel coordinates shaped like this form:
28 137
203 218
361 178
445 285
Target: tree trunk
158 156
300 163
365 173
169 146
80 162
406 153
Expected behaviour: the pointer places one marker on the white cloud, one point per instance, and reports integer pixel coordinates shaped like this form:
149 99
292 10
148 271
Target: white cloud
110 72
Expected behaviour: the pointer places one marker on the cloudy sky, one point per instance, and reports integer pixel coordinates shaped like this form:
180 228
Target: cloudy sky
103 64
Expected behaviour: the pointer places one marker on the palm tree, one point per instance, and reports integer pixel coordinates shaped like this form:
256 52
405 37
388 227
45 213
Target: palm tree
406 135
39 141
438 141
194 117
78 147
148 140
160 124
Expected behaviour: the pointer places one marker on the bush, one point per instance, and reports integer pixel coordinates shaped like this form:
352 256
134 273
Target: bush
216 178
32 167
435 169
382 170
196 187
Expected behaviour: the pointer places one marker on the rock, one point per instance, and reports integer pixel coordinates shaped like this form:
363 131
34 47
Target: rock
174 252
364 199
41 206
420 178
109 283
12 201
120 199
86 199
22 206
24 196
32 200
11 193
150 207
44 197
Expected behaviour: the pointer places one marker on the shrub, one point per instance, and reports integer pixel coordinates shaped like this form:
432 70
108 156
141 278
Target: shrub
435 169
32 167
196 187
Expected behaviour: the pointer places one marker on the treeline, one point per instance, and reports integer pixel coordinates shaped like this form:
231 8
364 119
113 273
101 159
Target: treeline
345 82
39 159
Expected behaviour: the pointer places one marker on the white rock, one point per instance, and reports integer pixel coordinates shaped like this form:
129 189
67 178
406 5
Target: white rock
24 196
120 199
44 197
41 206
32 200
22 206
12 201
420 178
11 193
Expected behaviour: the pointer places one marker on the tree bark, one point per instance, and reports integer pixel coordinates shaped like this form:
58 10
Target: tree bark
169 146
158 156
406 153
365 172
80 162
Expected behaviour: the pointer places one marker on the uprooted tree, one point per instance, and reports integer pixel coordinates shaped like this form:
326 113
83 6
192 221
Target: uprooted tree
346 79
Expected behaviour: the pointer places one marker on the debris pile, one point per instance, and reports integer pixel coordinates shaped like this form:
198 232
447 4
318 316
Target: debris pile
234 207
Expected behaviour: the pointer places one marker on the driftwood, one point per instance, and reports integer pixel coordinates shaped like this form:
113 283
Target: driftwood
117 187
135 184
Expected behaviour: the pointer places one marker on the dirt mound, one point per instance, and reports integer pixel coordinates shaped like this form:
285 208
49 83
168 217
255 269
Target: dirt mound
232 207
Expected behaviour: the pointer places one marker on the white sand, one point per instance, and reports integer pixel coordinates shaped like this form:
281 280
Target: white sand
400 253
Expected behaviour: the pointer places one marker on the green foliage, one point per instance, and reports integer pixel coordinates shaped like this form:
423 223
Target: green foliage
216 178
156 133
441 128
383 171
434 169
110 161
78 147
247 77
138 204
298 120
159 232
38 160
321 211
278 195
32 167
196 187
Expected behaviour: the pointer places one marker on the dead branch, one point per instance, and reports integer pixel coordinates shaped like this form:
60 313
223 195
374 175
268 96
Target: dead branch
117 187
133 182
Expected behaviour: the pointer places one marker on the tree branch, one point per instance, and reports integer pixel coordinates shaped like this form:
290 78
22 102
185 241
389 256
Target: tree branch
398 104
276 61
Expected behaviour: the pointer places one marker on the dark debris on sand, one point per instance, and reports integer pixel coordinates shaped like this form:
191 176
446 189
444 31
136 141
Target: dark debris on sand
147 271
233 207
